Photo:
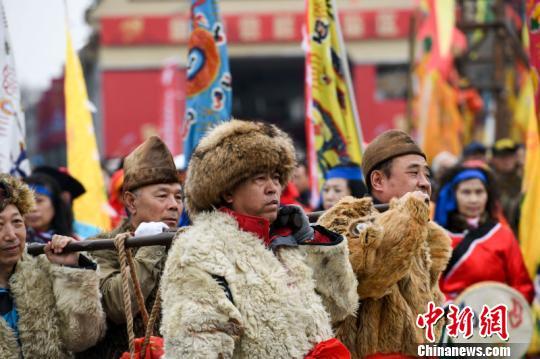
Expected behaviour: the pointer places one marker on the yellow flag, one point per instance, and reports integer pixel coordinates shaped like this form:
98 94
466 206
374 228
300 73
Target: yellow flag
82 153
522 110
446 19
334 133
529 224
441 123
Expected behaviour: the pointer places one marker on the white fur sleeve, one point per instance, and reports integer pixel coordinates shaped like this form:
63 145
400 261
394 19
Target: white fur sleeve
199 320
334 278
78 301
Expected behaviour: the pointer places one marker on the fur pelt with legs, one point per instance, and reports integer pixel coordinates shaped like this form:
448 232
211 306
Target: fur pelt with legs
398 257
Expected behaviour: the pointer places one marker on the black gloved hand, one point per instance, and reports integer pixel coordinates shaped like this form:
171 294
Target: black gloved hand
296 219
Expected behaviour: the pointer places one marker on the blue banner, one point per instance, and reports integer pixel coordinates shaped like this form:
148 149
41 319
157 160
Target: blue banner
209 92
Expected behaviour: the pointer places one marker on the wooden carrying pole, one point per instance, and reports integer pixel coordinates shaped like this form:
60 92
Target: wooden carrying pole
162 239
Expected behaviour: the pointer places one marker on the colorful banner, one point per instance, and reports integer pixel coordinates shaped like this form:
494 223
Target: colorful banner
441 123
13 158
209 82
437 35
172 97
332 124
82 152
445 13
438 118
520 108
529 225
533 23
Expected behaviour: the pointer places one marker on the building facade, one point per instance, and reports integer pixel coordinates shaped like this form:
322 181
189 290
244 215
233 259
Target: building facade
140 39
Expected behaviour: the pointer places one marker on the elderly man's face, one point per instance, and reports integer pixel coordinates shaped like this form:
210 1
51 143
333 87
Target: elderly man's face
12 236
155 203
257 196
409 173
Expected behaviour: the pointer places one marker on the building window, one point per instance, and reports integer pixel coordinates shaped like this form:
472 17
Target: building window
391 82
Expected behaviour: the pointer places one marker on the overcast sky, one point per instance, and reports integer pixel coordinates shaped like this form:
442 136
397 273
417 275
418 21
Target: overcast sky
37 31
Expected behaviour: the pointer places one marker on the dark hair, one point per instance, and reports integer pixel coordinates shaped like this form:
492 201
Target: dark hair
62 221
492 205
357 188
385 167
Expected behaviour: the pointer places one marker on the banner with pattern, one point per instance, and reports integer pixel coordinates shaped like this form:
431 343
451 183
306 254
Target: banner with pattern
209 87
332 124
13 158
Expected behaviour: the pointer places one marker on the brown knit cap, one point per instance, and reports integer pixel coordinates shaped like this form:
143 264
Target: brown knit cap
150 163
388 145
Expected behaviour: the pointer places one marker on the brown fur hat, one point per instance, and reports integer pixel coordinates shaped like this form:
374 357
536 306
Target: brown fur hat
16 192
231 153
388 145
150 163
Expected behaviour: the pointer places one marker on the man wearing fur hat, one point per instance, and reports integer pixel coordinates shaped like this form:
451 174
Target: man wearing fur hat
397 255
50 304
250 279
151 193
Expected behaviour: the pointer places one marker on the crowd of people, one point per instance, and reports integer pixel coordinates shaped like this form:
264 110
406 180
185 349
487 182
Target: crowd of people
248 275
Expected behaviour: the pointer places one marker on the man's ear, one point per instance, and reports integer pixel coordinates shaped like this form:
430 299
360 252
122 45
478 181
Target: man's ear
377 180
129 201
228 197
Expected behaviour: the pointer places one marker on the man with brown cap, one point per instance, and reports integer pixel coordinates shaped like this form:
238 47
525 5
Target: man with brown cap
393 165
397 255
151 193
250 279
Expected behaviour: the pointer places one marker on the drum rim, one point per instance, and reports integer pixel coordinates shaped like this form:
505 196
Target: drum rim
505 287
490 283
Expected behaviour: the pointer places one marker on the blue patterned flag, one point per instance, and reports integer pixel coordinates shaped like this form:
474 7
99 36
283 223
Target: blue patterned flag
209 93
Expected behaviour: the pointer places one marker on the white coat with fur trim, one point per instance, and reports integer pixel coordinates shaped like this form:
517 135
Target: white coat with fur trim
59 310
274 312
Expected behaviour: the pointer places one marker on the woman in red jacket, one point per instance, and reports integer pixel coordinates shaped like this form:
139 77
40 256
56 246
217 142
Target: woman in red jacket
484 247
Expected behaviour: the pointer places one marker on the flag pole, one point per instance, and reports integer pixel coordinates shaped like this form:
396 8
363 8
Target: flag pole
348 81
410 74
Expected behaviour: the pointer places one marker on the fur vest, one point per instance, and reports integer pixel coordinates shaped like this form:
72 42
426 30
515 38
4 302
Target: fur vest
398 257
149 263
225 295
59 310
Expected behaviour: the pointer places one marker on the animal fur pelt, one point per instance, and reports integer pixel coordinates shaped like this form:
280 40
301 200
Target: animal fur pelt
272 306
398 257
59 310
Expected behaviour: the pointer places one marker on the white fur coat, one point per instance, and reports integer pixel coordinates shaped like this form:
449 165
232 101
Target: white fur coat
278 300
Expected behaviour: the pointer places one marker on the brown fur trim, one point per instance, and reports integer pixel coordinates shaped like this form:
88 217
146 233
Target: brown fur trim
231 153
20 195
440 249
